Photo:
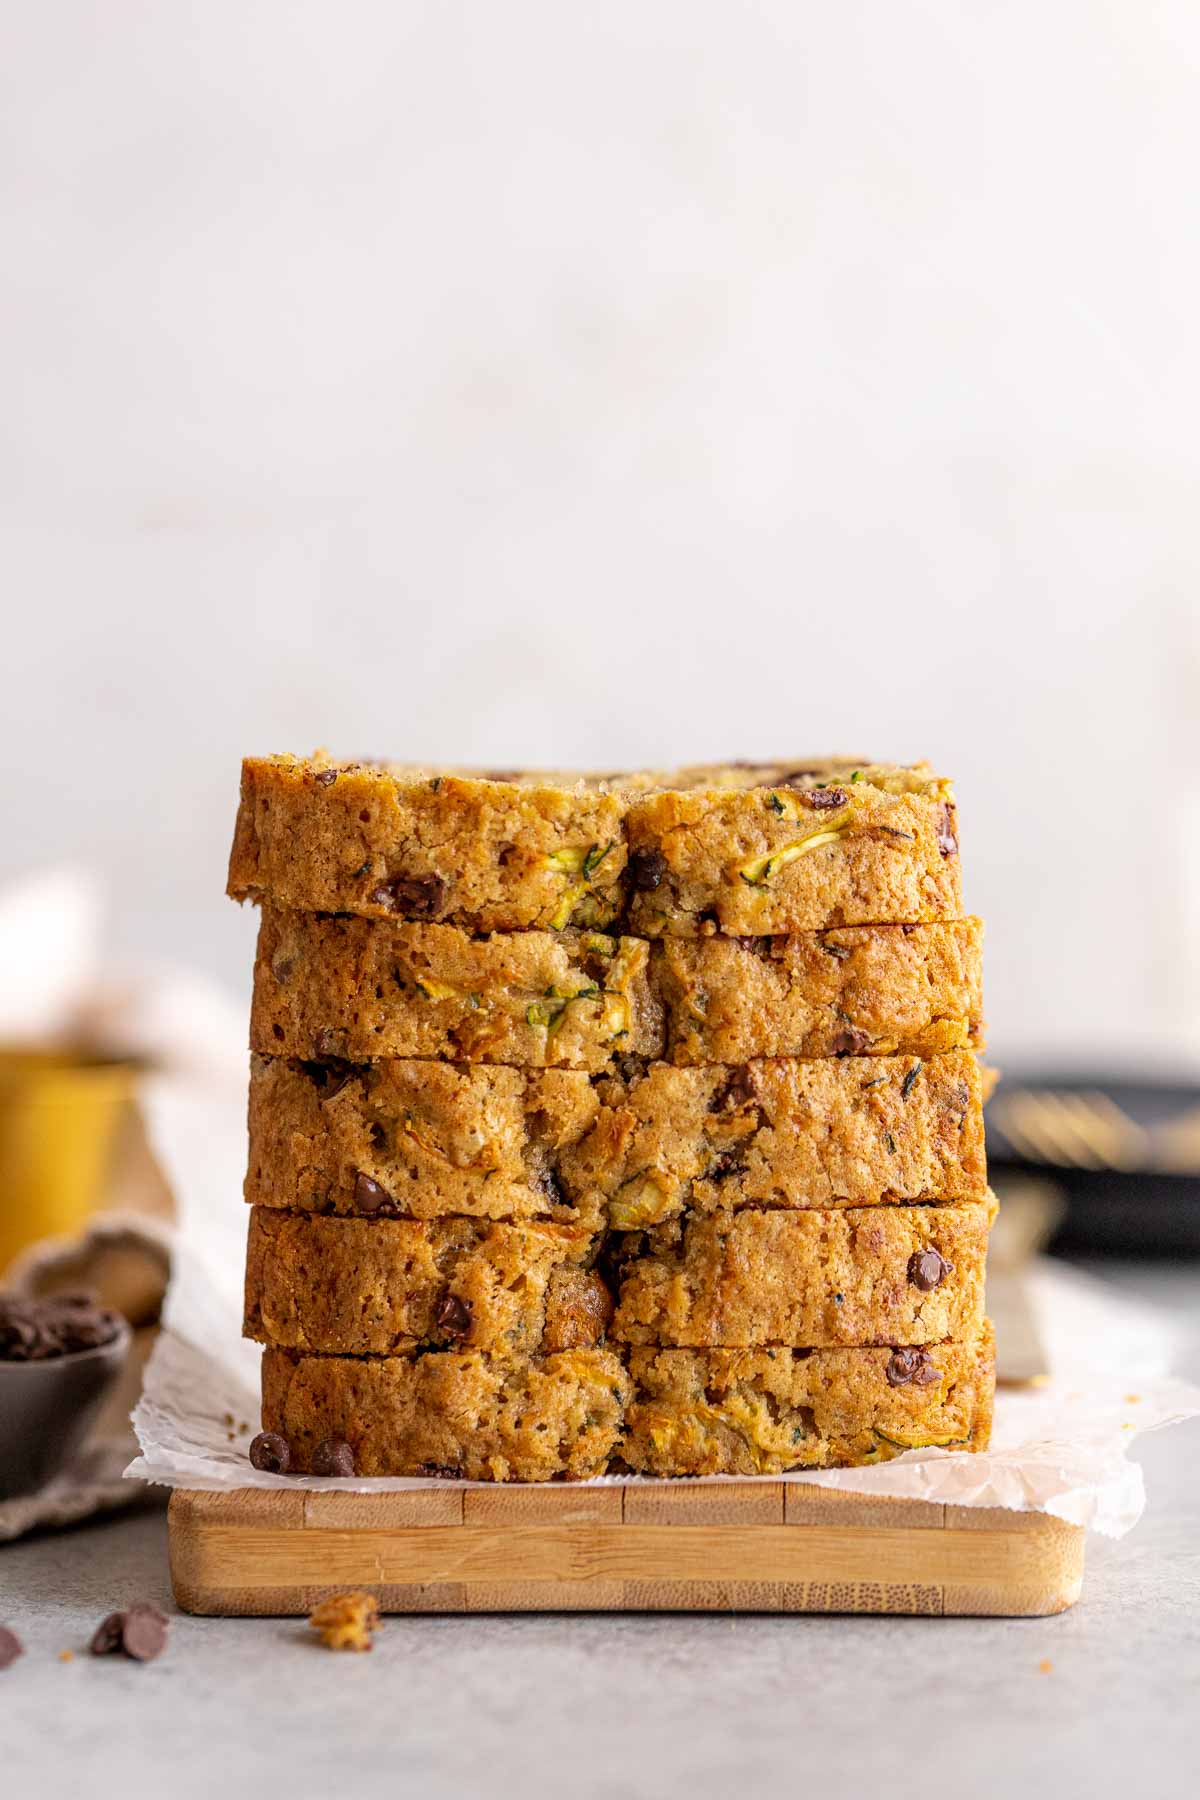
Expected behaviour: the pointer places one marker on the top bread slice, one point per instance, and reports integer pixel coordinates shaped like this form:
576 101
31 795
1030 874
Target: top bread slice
743 849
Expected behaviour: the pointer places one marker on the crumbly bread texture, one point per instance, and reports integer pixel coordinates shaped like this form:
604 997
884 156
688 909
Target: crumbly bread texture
355 988
363 1287
894 1275
782 1133
423 1140
867 990
416 1139
741 848
659 1412
833 846
484 1418
760 1412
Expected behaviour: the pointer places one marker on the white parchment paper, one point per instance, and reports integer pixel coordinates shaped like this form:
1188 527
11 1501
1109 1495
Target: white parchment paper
1060 1449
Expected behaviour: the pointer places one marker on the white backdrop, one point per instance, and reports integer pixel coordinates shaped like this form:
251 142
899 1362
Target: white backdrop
656 381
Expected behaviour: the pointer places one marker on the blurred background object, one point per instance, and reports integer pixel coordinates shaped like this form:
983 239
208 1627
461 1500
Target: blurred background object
1121 1160
87 1041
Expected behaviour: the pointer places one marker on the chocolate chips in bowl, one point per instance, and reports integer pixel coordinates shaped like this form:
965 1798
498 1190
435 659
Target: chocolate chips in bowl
58 1358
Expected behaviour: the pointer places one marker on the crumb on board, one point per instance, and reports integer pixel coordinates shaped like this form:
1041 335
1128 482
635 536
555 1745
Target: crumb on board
66 1656
1045 1666
346 1621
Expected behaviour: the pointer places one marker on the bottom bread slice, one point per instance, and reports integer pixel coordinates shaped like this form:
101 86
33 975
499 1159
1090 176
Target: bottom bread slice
579 1413
462 1413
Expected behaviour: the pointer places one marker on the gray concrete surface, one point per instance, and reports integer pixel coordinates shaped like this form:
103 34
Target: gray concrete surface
584 1708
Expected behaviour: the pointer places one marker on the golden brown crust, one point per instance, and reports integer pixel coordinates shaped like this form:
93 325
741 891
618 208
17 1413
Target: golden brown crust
865 991
761 1412
745 849
482 1417
378 1287
360 988
426 1139
855 1277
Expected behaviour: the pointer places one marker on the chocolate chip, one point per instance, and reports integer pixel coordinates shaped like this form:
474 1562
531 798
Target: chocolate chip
438 1471
414 896
910 1366
144 1633
850 1041
737 1091
325 777
369 1197
822 799
646 870
10 1647
34 1330
728 1163
453 1316
329 1078
332 1456
549 1184
947 839
927 1269
325 1045
270 1453
107 1636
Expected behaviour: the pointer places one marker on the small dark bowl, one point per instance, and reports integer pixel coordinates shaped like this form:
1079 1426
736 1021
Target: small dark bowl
47 1409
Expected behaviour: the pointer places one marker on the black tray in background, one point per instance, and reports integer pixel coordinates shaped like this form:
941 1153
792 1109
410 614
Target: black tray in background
1141 1195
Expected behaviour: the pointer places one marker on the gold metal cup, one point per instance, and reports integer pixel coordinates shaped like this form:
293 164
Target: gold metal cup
60 1116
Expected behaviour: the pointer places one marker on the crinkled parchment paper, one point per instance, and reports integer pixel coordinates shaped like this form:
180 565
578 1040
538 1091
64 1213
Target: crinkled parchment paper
1060 1449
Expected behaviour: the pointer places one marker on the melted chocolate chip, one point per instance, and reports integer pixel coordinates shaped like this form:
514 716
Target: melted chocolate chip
549 1184
850 1041
647 869
270 1453
325 777
10 1647
369 1197
332 1456
414 896
737 1091
438 1471
905 1367
822 799
927 1269
329 1078
453 1316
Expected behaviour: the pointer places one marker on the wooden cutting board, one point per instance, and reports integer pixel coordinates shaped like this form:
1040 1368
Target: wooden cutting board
769 1547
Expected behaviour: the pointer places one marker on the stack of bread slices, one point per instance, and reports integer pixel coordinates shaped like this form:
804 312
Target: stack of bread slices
613 1122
